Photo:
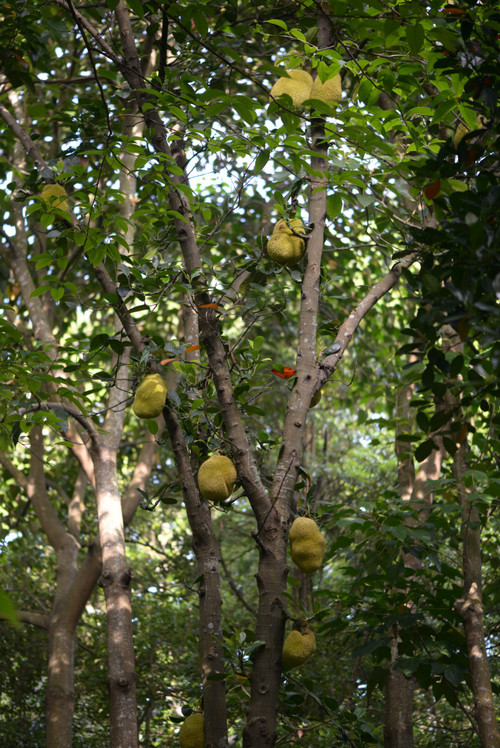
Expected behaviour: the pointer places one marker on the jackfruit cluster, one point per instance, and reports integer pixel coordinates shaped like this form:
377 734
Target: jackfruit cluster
150 397
300 87
216 478
57 192
307 544
192 732
284 247
298 647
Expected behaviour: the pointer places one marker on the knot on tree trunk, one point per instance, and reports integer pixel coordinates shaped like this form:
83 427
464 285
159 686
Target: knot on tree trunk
468 608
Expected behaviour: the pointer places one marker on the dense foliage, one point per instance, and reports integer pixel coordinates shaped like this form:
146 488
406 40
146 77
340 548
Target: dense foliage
412 177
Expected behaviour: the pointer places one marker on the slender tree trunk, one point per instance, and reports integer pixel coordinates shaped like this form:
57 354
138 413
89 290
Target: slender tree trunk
60 694
398 709
413 488
470 609
116 579
265 677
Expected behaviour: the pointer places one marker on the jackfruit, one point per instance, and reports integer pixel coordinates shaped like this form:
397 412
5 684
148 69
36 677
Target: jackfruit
216 478
57 191
307 544
298 647
330 91
283 246
297 85
192 732
150 397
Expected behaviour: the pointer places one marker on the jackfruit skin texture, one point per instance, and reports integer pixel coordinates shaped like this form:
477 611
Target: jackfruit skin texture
298 86
307 544
150 397
298 647
192 732
57 191
330 91
283 246
216 478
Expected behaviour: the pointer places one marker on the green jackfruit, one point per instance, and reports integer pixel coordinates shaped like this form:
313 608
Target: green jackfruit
307 544
150 397
297 84
298 647
55 191
216 478
283 246
192 732
330 91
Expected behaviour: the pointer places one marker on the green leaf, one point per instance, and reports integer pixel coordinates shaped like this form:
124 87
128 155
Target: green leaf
8 610
415 37
261 161
57 293
334 206
136 6
278 22
424 450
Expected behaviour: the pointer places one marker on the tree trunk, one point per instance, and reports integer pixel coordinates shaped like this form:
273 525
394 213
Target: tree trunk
470 609
116 578
260 726
398 710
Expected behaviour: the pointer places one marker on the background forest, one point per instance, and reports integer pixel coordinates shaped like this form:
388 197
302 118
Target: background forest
145 162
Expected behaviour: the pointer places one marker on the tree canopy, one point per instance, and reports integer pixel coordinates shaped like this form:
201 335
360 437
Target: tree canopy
310 272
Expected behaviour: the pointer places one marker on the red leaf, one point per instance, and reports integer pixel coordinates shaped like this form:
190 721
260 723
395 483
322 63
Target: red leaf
192 348
433 189
285 374
208 306
471 157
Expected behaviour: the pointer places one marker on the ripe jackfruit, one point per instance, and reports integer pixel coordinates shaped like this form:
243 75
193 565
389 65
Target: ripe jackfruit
307 544
57 191
192 732
283 246
150 397
298 647
330 91
216 478
297 85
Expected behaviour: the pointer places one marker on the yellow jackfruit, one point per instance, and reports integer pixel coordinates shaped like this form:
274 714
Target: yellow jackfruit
298 647
216 478
297 85
330 91
192 732
56 191
307 544
283 246
150 397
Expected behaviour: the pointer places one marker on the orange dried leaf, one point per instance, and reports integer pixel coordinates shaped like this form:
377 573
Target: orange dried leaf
191 348
208 306
285 374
